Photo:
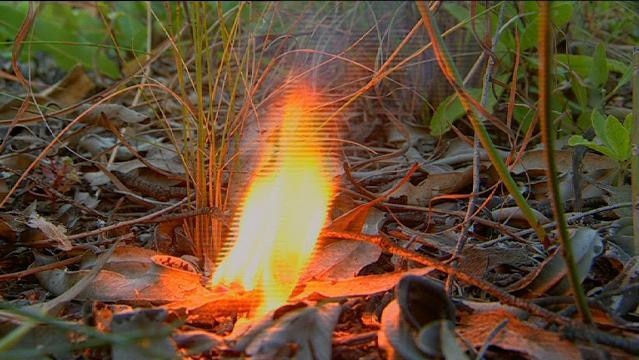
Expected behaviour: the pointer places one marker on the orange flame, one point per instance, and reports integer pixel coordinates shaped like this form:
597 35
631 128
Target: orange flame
285 207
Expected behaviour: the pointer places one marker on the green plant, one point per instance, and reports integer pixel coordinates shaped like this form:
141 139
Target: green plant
74 35
612 138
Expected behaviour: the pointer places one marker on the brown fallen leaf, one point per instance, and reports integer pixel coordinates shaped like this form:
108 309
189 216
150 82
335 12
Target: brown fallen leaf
534 164
102 114
434 185
74 87
133 275
343 259
357 286
514 216
527 340
304 333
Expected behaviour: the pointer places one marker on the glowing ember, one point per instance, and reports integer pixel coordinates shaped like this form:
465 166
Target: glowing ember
284 208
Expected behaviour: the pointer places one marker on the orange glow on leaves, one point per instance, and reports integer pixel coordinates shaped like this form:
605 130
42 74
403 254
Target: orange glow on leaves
284 208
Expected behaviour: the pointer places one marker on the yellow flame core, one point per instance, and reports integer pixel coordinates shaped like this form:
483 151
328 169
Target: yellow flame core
284 208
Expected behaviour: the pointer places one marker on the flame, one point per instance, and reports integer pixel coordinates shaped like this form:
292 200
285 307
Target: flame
284 208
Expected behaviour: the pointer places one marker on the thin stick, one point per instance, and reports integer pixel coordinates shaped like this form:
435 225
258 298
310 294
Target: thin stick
491 289
634 159
547 135
35 270
488 75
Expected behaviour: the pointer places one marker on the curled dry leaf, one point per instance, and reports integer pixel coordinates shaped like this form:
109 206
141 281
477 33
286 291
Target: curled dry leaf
132 274
111 112
420 323
550 277
57 233
527 340
304 333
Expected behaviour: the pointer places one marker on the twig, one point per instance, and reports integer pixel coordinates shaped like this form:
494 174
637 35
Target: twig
601 337
127 223
490 338
490 69
570 220
356 339
489 288
35 270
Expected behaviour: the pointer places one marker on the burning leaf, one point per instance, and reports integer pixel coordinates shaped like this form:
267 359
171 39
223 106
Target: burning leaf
301 334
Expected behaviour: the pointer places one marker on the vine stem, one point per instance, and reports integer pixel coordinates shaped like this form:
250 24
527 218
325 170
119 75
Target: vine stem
547 136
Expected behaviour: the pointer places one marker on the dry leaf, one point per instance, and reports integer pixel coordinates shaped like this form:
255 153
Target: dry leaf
57 233
434 185
357 286
304 333
111 112
17 161
550 277
420 323
534 164
198 342
514 216
74 87
131 274
531 342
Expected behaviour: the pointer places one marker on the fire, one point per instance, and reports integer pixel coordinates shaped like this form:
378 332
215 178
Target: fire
284 208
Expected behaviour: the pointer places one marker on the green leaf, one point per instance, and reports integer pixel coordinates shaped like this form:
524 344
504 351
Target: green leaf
599 125
451 108
599 69
576 140
579 90
627 123
618 138
583 64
